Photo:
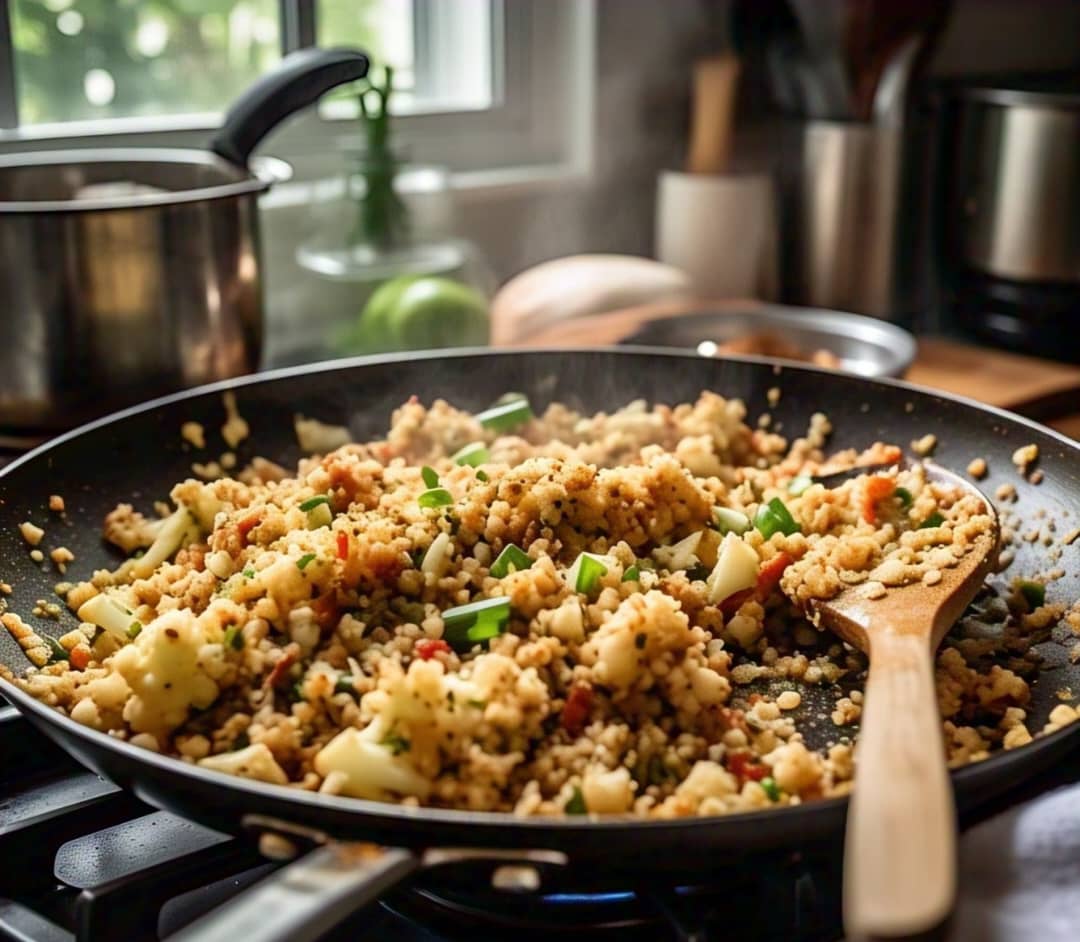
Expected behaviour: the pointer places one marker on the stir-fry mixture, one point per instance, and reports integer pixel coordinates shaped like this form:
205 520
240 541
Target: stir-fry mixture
552 615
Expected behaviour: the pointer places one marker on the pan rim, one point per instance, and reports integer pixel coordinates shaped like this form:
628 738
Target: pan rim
392 813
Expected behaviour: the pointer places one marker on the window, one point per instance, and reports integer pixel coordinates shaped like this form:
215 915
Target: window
482 83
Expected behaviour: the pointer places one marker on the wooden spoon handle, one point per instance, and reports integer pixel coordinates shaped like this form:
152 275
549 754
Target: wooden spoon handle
900 855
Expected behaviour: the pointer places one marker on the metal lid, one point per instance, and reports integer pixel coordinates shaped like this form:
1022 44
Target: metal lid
1048 90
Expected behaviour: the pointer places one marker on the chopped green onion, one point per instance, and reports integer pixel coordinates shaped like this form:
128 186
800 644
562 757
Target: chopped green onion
302 562
59 652
506 417
396 743
730 521
904 496
233 638
934 520
430 476
482 476
133 629
344 684
478 621
248 574
1034 593
435 497
632 574
799 484
770 788
586 572
576 804
320 516
774 517
510 556
472 455
312 502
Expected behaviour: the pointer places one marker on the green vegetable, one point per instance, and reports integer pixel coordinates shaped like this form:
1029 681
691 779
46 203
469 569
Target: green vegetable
248 573
344 684
472 455
430 476
506 417
482 476
799 484
632 574
771 788
312 502
774 517
730 521
59 652
133 629
303 561
904 496
934 520
435 497
586 572
1034 593
576 804
510 556
320 516
396 743
233 638
476 622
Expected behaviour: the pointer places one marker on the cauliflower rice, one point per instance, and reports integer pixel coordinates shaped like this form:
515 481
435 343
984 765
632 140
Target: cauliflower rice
643 650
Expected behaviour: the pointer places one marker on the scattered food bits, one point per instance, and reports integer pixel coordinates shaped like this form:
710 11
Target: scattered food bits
235 429
1036 476
764 420
788 700
925 445
1074 654
977 468
56 503
1005 492
1005 559
847 711
909 407
61 556
228 460
211 471
5 588
1064 693
932 577
32 534
1016 737
773 395
194 434
1071 537
1024 456
37 556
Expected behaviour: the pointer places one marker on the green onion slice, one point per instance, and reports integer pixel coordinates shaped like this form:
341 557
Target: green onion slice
510 556
730 521
59 652
312 502
576 804
133 630
799 484
482 476
430 476
770 788
904 496
233 638
1034 593
473 455
506 417
774 517
934 520
632 574
303 561
435 497
476 622
586 572
320 516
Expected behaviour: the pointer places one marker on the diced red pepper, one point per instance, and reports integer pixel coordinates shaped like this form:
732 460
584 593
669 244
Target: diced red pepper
79 657
326 610
734 602
427 648
576 710
769 574
247 524
342 545
876 488
746 768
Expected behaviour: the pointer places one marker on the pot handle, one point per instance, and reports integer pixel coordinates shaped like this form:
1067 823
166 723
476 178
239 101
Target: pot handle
300 79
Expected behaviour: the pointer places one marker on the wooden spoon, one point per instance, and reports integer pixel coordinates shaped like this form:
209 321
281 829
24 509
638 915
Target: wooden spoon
900 851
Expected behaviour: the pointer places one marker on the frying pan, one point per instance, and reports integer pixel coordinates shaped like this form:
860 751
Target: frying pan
138 454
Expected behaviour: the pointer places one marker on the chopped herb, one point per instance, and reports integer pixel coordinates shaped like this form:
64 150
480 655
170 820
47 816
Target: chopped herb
799 484
769 786
59 652
435 497
417 556
511 556
233 638
430 476
345 684
296 692
249 573
586 572
303 561
396 743
730 521
473 455
774 517
934 520
632 574
476 622
904 496
482 476
576 804
312 502
507 416
1034 593
133 630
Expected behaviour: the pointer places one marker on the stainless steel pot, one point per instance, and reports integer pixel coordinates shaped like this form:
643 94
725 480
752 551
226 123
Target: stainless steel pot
1018 181
126 274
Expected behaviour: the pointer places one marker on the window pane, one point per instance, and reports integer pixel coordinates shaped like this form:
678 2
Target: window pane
382 28
86 59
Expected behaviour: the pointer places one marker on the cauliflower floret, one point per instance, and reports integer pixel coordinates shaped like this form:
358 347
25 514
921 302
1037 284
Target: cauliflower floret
795 767
256 761
128 529
707 780
607 792
164 671
367 765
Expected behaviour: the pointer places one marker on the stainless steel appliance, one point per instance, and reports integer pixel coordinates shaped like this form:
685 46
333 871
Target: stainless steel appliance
131 273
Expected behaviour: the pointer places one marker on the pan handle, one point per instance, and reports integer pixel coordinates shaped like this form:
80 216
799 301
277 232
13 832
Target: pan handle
303 900
300 79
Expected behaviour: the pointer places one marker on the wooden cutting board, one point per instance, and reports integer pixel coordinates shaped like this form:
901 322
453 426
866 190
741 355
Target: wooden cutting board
1039 388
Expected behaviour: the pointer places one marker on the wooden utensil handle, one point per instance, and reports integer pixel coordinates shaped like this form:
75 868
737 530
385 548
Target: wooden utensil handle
900 856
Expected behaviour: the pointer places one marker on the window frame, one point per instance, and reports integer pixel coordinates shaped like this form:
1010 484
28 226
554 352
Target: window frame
539 123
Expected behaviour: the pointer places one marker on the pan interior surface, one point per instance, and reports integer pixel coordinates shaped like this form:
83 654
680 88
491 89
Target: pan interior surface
138 455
